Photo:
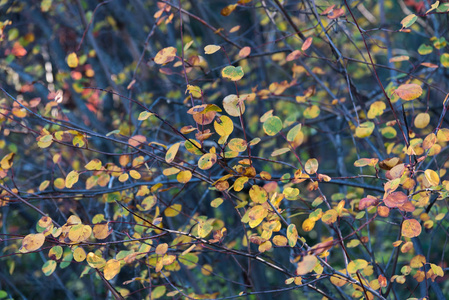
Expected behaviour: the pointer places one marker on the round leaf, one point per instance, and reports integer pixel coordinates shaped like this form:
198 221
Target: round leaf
233 106
411 228
272 125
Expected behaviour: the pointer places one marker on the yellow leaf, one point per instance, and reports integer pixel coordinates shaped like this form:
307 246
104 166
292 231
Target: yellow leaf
432 177
280 240
71 179
111 269
72 60
173 210
144 115
79 254
226 11
422 120
308 225
161 249
184 176
32 242
93 165
134 174
210 49
376 109
165 55
171 153
95 261
101 231
357 264
364 130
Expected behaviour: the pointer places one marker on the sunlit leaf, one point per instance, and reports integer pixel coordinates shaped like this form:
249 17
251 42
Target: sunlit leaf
158 292
244 52
144 115
376 109
184 176
280 151
357 264
173 210
193 147
293 133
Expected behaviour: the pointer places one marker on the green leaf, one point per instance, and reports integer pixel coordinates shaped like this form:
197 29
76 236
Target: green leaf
189 260
444 59
272 125
292 133
158 292
409 20
216 202
55 252
193 147
233 73
292 235
424 49
95 261
49 267
207 161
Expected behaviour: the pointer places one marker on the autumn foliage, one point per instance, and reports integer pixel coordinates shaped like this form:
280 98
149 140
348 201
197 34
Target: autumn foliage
224 149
